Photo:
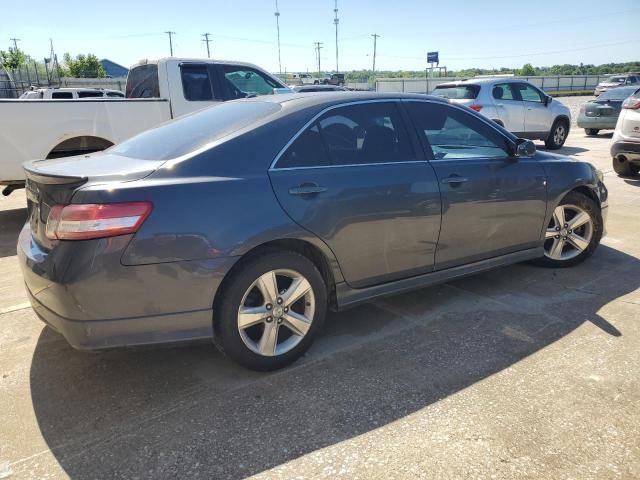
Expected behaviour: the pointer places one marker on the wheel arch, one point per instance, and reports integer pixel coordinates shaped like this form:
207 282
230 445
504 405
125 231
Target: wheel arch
325 265
498 121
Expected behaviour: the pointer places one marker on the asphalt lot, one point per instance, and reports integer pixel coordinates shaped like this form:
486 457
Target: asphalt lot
521 372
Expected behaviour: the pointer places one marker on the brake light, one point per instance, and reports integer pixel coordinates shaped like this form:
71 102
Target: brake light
631 103
87 221
475 107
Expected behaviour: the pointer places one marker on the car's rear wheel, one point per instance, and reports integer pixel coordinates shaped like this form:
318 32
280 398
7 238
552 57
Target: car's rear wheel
557 135
573 233
624 168
270 310
591 131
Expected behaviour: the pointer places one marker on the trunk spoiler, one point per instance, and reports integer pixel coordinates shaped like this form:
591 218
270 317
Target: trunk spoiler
52 179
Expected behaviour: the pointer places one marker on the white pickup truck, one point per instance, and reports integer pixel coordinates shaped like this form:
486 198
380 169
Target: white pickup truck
156 92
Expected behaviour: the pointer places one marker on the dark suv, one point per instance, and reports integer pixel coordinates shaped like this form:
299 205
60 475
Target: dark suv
334 79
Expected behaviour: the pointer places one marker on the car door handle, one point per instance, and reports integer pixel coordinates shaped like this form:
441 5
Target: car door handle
499 104
454 179
307 189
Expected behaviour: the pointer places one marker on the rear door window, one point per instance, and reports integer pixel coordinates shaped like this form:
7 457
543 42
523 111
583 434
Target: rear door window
196 83
89 94
504 91
360 134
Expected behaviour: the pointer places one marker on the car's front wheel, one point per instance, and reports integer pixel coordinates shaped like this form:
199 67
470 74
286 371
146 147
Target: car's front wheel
557 135
573 233
591 131
270 310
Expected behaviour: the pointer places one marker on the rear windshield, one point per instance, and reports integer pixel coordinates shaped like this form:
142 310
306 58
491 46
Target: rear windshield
619 93
457 92
187 134
142 82
617 79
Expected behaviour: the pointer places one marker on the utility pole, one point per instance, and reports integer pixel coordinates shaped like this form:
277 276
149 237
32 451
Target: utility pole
15 43
207 41
277 15
336 21
375 42
170 41
318 47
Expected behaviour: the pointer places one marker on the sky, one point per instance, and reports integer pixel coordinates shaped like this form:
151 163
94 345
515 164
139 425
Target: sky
466 33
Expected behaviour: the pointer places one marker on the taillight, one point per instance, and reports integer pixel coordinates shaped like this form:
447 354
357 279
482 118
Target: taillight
475 107
87 221
632 103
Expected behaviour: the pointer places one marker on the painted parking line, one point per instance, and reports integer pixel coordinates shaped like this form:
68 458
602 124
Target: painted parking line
13 308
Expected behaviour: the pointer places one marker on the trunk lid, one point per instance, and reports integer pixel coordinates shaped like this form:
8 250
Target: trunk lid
603 108
53 182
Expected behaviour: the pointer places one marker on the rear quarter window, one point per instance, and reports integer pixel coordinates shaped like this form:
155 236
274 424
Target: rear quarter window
191 132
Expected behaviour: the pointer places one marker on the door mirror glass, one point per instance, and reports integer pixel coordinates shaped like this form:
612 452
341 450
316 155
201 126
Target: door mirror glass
548 99
525 148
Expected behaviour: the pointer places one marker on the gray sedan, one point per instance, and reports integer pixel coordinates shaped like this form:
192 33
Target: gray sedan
245 222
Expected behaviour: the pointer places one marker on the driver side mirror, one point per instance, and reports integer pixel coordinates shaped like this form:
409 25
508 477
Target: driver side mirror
525 148
548 99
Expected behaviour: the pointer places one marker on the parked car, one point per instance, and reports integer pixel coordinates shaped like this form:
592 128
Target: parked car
334 79
304 79
244 223
156 92
69 93
318 88
617 81
625 146
602 112
516 105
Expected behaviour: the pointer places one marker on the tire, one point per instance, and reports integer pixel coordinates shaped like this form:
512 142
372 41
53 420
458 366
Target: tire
557 135
624 168
578 236
591 131
316 82
246 345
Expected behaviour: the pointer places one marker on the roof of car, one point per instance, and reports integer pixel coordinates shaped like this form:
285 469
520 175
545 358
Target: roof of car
310 99
482 81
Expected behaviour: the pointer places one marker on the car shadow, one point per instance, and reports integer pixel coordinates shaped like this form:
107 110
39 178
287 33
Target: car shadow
565 150
188 411
11 222
635 181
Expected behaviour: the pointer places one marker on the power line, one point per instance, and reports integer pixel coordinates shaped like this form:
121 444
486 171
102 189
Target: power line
318 47
277 15
336 21
375 43
207 41
170 41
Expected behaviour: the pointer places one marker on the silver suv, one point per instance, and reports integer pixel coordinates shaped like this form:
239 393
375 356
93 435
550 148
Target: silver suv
514 104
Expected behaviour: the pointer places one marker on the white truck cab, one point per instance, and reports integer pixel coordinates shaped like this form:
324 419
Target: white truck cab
157 91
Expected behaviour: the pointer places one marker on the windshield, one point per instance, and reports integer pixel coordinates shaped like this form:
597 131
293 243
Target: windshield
616 80
187 134
457 92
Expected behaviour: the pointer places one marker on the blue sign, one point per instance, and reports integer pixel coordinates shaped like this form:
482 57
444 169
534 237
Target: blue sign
432 57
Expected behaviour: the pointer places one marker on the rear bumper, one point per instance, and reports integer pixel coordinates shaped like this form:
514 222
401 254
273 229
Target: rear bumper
631 150
99 334
600 123
83 291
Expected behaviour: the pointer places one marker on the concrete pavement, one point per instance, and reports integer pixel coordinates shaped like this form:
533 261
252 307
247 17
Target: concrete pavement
521 372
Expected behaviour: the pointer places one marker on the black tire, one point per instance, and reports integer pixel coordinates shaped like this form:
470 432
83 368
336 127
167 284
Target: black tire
624 168
225 320
499 122
593 209
316 82
591 131
556 138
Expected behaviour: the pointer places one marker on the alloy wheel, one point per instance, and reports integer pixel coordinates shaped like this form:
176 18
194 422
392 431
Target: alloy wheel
276 312
559 134
569 233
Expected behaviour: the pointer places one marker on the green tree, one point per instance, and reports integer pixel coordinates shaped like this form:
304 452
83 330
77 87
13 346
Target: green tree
84 66
527 70
12 59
